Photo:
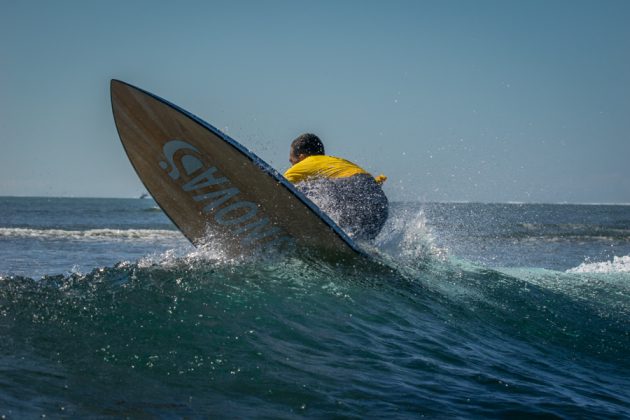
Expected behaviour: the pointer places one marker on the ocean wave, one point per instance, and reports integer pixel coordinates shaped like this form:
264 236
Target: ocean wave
206 331
617 265
90 234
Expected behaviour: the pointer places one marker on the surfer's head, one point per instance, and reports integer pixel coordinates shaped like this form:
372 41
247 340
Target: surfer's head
305 145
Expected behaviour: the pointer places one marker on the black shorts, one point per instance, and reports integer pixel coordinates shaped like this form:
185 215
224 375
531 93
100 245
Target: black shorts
356 203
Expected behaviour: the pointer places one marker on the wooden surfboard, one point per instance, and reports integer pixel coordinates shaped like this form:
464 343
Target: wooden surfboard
213 188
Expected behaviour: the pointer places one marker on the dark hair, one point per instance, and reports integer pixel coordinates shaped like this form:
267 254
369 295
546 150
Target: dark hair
307 144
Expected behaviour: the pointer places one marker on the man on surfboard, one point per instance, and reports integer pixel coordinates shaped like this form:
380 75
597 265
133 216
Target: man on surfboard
346 192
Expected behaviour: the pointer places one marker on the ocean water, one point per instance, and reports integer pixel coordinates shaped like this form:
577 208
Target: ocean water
467 310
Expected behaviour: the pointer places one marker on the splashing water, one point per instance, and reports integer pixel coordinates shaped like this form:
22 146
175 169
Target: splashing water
617 265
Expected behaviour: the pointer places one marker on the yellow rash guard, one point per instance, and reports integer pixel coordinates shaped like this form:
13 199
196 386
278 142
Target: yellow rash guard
322 166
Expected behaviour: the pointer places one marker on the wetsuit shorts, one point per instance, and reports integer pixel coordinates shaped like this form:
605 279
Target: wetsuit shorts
356 203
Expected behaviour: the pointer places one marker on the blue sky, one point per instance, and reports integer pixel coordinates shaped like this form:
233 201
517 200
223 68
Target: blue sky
453 100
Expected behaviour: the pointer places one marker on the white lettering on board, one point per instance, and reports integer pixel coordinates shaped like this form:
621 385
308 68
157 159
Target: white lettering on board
169 151
224 204
204 180
221 197
221 216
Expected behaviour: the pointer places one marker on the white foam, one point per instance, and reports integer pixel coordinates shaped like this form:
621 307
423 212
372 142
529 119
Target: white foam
91 234
211 250
407 236
617 265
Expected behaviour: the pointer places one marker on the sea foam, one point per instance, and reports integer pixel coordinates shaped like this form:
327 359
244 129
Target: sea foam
617 265
90 234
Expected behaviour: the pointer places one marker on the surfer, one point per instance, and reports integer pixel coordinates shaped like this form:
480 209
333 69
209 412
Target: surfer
343 190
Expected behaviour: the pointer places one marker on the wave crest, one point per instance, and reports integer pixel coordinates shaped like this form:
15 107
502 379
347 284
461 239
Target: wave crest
617 265
122 234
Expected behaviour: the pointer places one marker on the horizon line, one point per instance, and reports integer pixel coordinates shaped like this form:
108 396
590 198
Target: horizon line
394 201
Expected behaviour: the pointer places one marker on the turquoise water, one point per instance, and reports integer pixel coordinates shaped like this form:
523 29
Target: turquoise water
468 310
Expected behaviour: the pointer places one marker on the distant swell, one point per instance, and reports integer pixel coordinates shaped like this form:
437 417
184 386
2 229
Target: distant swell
90 234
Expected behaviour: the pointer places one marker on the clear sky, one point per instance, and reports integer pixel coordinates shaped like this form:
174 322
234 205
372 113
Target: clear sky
452 100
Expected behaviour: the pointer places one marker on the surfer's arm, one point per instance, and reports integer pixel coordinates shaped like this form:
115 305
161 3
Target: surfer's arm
294 177
298 173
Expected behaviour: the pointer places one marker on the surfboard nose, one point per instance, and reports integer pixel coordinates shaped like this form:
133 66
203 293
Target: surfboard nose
115 84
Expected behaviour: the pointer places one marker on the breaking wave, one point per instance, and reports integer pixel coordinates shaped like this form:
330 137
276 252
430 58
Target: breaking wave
617 265
91 234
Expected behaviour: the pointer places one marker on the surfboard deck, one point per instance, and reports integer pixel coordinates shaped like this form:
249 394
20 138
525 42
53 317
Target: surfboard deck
213 189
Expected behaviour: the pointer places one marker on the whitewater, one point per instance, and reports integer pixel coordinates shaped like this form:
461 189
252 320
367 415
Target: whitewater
466 310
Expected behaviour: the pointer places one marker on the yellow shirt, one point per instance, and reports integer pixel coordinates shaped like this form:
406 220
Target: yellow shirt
322 166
